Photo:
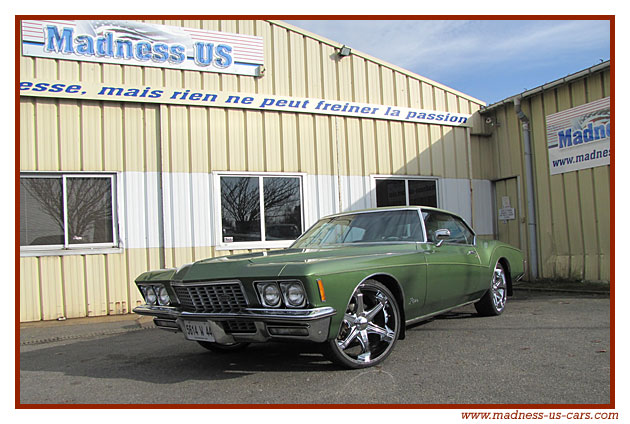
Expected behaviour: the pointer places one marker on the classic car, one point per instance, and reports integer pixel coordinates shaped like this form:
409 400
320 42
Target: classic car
353 282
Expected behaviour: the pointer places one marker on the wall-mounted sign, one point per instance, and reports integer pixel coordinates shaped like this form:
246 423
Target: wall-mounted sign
194 97
507 214
143 44
579 138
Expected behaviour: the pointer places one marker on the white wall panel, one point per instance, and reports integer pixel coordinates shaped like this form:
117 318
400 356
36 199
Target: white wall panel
455 197
321 197
138 209
483 207
202 210
355 193
178 218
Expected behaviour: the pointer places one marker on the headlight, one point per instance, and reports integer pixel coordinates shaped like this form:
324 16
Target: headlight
270 294
149 295
293 294
163 297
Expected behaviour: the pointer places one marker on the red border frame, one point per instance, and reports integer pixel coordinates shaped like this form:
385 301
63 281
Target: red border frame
611 405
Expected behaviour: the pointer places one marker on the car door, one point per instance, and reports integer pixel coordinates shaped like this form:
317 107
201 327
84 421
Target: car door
453 266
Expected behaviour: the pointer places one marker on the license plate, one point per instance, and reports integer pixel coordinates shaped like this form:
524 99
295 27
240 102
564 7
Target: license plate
198 330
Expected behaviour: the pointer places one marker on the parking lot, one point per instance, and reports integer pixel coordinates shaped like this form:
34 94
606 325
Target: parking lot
547 348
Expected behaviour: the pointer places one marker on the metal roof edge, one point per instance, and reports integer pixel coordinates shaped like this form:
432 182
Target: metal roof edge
571 77
381 62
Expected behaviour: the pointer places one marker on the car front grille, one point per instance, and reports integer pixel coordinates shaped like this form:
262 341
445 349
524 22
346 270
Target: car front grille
237 327
211 297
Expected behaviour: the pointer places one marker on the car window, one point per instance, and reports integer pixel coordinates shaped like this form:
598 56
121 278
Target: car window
434 221
371 227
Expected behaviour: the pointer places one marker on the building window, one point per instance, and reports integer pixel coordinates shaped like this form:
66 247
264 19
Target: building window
67 211
260 209
405 192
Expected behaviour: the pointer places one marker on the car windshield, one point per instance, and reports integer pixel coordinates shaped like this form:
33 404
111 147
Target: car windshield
367 227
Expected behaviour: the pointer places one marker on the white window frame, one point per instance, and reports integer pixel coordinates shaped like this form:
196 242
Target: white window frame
263 244
406 178
68 248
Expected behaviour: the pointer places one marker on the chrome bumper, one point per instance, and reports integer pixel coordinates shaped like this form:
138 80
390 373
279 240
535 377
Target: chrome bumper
300 324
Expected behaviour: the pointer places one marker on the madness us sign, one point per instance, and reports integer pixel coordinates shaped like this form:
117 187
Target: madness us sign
143 44
579 138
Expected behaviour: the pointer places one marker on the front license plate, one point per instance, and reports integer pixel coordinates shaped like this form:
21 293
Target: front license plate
198 330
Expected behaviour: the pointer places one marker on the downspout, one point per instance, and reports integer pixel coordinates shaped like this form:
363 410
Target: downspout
529 188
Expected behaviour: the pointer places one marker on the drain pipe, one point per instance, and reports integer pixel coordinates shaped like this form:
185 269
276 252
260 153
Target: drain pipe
529 181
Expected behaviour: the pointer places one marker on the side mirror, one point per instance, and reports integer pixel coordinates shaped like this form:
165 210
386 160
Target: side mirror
441 235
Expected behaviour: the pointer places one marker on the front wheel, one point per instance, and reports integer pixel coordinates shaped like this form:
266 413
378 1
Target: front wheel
493 302
370 327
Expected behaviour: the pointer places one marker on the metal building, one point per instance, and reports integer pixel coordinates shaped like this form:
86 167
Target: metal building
572 200
191 139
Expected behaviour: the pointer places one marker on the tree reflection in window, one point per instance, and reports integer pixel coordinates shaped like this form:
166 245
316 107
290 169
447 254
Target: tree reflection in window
241 208
88 201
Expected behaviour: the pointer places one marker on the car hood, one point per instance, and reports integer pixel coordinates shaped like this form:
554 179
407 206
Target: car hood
288 262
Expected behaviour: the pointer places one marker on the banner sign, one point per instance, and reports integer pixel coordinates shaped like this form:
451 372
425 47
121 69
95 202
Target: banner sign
579 138
194 97
143 44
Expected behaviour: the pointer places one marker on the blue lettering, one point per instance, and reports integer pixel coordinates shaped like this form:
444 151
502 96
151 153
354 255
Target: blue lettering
56 42
56 88
143 51
600 132
124 49
224 56
105 45
564 139
85 45
156 94
577 137
177 54
203 53
588 133
160 52
42 86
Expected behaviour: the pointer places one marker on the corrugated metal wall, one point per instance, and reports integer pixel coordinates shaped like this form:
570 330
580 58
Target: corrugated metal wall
573 209
164 154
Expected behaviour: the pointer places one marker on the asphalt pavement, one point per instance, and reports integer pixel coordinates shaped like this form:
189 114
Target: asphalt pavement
549 347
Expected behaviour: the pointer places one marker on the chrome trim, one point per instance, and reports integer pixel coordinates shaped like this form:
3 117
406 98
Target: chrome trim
432 314
316 321
245 314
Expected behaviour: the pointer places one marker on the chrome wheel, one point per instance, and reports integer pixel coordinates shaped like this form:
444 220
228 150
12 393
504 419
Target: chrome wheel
493 302
369 328
499 288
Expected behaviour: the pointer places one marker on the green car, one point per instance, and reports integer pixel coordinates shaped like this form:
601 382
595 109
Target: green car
352 282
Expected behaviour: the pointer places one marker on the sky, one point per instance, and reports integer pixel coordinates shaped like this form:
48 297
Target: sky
490 60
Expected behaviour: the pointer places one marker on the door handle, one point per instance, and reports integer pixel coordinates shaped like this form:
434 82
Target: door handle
471 252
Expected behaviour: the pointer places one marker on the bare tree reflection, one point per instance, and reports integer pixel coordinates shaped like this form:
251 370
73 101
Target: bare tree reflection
240 199
88 201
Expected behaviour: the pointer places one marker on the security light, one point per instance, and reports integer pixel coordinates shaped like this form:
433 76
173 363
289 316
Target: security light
345 51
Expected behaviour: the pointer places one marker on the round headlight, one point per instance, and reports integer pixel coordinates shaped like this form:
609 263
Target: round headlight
163 298
271 295
295 294
149 295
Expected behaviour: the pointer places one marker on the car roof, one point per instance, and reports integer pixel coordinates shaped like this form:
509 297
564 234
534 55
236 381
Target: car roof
393 208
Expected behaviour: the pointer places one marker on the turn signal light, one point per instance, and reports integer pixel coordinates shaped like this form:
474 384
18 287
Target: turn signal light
322 293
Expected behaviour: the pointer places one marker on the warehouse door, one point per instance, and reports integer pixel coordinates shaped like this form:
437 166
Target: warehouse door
507 214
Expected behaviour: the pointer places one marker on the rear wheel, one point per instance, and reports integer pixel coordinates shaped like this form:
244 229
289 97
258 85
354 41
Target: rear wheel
493 302
369 329
223 348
